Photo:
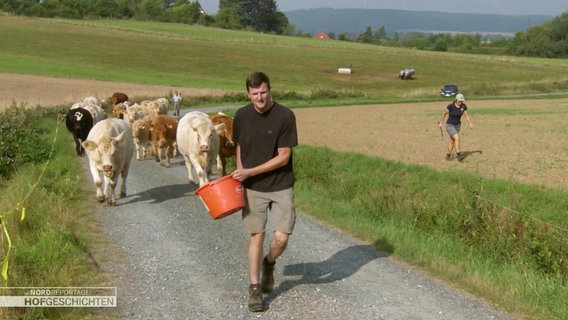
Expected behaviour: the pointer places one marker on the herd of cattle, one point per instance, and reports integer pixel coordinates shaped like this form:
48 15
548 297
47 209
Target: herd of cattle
146 129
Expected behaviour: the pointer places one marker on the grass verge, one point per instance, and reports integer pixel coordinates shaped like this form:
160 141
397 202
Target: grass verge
500 240
51 245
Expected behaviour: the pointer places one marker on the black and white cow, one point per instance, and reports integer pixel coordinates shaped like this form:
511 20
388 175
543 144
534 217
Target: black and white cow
79 122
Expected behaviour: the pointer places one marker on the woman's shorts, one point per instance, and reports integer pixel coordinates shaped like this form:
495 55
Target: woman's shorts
280 206
452 129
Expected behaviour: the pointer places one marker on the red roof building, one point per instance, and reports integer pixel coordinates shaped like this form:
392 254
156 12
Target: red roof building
322 35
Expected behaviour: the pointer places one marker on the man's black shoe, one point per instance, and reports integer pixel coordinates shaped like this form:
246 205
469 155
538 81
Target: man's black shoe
255 298
267 280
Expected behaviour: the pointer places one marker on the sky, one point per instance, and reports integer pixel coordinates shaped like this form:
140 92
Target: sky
510 7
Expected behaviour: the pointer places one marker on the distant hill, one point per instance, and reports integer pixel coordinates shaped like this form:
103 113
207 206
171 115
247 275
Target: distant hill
354 21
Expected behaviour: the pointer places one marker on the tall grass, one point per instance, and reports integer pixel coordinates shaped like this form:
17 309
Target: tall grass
51 245
501 240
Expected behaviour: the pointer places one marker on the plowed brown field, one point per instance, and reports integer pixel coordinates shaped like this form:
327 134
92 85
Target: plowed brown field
524 140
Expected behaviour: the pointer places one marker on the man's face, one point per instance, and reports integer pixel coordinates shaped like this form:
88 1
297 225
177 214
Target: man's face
260 97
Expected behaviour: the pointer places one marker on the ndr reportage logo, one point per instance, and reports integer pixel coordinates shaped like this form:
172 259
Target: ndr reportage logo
77 297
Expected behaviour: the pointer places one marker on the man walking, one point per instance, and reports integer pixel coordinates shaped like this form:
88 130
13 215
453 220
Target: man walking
265 132
177 100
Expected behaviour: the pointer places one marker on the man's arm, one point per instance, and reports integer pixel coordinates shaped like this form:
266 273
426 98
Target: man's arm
282 159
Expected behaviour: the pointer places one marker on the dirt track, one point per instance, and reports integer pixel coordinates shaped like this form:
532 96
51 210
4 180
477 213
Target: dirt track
512 139
35 90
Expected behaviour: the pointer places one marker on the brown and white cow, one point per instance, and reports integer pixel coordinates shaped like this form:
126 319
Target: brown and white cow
134 112
163 130
198 142
227 148
109 147
164 105
156 107
141 136
119 109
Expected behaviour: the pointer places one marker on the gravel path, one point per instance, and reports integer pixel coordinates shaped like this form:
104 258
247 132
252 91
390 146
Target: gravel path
172 261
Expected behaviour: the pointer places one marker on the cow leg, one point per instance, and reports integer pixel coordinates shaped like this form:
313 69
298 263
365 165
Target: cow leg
109 186
156 152
202 176
223 166
220 163
203 172
137 151
123 176
157 156
110 189
78 147
189 166
146 153
161 150
167 155
98 182
209 168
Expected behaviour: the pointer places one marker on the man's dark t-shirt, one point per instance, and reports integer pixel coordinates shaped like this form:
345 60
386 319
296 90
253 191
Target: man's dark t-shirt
259 136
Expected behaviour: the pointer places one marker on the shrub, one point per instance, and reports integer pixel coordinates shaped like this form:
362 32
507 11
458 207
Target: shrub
20 139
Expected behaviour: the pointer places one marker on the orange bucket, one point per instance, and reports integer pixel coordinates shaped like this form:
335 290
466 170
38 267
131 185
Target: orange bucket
222 196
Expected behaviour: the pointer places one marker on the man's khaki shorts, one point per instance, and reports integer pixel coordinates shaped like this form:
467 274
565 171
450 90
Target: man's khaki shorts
280 206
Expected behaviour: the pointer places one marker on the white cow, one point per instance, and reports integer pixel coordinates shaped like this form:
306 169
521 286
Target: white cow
198 141
156 107
109 147
164 105
96 111
92 100
79 104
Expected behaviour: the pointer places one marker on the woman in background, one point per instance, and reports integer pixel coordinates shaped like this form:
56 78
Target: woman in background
455 111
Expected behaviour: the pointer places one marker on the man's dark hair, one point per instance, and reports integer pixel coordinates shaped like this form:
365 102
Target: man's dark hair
256 79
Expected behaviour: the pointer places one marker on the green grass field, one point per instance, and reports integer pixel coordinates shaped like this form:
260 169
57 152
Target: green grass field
193 56
522 274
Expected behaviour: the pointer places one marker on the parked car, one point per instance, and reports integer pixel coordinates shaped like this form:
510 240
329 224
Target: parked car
449 90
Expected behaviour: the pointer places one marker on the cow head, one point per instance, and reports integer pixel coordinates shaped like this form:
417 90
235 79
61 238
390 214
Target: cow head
204 130
78 116
219 128
140 129
158 131
226 134
227 137
106 152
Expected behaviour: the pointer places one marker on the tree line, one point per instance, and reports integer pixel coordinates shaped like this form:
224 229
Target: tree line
547 40
254 15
